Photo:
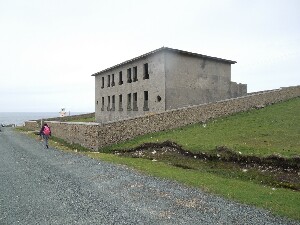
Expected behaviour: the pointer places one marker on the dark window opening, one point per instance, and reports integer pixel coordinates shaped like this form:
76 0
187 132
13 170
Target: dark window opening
146 72
113 80
129 102
135 107
135 74
120 103
146 107
108 81
108 103
102 82
102 107
129 75
120 78
113 103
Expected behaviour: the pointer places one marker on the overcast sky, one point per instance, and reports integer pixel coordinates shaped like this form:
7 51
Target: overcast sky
50 48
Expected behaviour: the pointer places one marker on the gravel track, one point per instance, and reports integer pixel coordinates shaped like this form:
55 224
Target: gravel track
48 186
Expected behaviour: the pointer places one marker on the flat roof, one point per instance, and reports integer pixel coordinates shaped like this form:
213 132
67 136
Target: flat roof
166 49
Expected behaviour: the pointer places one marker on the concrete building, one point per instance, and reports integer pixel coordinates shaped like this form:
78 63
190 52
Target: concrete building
161 80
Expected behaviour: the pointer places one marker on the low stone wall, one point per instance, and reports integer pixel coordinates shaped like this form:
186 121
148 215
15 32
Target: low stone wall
85 134
94 135
32 125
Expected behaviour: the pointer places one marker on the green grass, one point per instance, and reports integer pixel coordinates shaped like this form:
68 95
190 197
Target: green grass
89 119
272 130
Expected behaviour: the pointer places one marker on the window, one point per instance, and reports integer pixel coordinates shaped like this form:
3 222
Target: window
129 102
129 75
102 107
102 82
146 108
113 103
108 81
108 103
135 74
146 72
113 80
120 78
135 107
120 103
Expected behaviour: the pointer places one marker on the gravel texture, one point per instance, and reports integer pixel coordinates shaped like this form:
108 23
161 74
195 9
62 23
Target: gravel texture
48 186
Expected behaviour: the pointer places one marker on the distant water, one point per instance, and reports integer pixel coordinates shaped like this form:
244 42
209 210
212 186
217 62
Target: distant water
18 118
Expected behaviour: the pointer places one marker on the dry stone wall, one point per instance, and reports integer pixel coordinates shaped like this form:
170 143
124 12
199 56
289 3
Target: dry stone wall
32 125
94 135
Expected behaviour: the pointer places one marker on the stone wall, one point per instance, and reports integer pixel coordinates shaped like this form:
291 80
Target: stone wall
94 135
32 125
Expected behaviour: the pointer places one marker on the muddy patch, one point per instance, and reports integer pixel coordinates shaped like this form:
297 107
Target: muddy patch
273 170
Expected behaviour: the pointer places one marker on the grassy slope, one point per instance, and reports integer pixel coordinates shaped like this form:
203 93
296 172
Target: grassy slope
272 130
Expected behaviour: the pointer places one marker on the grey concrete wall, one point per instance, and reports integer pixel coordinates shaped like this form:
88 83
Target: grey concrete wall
193 81
155 86
93 135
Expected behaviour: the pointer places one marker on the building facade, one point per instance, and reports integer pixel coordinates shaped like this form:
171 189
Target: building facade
161 80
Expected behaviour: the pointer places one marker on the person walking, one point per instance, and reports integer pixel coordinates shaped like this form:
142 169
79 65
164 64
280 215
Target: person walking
45 133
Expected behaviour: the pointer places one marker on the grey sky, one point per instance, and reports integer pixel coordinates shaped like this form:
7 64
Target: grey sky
49 48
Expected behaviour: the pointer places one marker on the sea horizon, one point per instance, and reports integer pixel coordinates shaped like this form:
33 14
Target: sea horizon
19 118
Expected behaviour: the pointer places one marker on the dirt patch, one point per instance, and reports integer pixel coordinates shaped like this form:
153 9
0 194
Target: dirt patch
273 170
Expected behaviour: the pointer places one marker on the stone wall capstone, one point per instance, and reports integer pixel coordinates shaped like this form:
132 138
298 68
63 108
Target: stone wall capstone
95 135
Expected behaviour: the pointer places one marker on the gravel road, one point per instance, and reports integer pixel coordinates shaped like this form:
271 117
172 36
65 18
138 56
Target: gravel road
48 186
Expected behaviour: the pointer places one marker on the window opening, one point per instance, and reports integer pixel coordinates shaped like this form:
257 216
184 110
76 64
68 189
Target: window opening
129 102
113 80
146 107
146 72
102 82
129 75
102 107
108 81
135 107
135 74
120 103
113 103
108 103
120 78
